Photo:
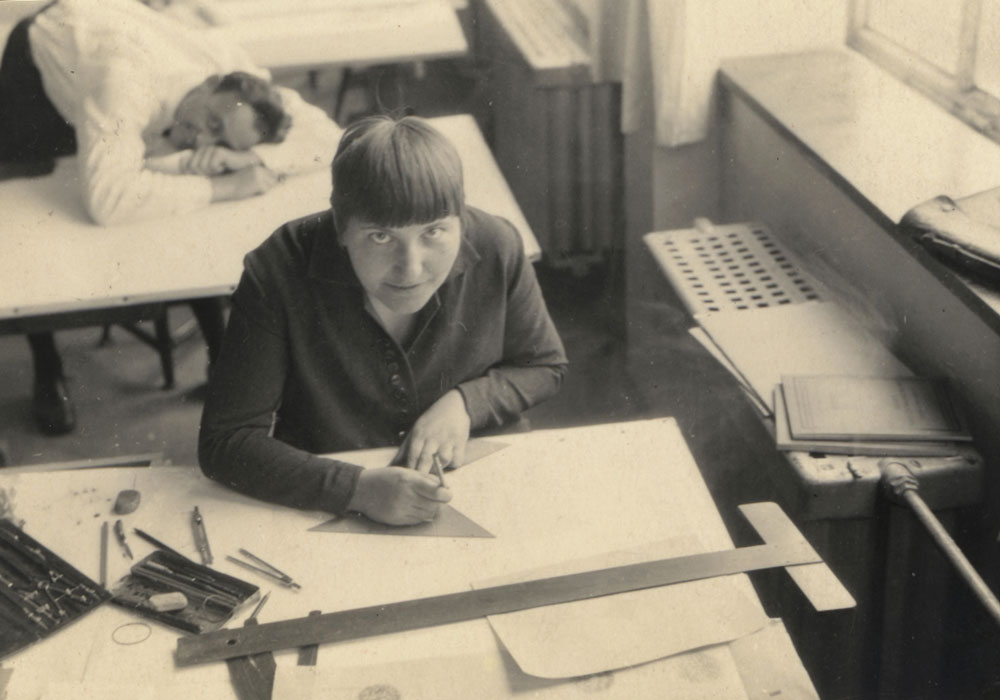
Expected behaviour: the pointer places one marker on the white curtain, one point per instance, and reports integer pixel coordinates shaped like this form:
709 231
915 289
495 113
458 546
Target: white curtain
666 53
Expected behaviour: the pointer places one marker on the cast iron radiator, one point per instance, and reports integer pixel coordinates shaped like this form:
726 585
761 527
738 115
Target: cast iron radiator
555 132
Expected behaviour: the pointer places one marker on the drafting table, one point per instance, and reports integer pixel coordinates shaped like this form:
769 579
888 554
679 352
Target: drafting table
632 483
311 34
317 33
54 261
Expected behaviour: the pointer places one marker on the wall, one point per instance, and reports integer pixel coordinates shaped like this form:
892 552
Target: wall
666 187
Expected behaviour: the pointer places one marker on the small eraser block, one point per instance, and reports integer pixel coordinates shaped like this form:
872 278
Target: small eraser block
168 602
127 501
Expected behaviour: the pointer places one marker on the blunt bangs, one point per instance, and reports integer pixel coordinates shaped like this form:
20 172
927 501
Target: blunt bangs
396 173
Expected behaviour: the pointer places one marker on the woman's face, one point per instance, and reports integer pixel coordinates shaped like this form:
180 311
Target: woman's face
208 118
402 266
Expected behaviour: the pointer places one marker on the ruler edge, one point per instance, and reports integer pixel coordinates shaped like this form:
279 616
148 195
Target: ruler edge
210 646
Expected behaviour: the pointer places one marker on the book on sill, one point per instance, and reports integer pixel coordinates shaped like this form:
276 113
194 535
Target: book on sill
875 448
845 407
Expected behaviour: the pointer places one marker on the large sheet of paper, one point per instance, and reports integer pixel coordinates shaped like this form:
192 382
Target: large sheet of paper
601 634
710 675
760 666
807 338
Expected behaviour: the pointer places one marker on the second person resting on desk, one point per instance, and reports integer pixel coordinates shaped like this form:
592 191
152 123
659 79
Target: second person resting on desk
400 316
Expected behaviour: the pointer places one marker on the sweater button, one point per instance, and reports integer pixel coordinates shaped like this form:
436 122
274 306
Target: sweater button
401 434
393 367
396 380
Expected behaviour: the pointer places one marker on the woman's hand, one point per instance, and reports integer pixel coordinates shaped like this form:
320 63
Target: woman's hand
398 496
442 430
217 160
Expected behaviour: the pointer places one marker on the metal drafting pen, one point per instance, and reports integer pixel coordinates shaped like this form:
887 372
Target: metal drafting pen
253 615
155 542
104 554
120 534
271 572
201 536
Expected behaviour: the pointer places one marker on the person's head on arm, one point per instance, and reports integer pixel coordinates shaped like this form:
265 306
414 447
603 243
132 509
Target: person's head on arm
237 110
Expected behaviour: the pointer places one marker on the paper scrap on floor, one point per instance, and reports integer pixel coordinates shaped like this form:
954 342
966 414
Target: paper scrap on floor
601 634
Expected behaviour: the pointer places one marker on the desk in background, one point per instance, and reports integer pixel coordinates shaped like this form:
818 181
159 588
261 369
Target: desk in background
317 33
632 484
53 260
310 34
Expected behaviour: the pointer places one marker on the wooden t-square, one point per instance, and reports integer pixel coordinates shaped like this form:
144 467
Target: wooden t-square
784 546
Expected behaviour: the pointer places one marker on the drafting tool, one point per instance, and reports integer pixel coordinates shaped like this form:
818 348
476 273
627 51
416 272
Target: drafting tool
39 592
784 546
120 534
448 523
310 652
253 675
265 568
438 469
213 597
201 536
104 554
155 542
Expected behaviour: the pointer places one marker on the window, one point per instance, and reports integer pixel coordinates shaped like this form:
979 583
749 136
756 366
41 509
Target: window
948 49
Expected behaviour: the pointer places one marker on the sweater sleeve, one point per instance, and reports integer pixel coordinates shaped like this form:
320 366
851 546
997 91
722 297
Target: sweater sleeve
117 186
310 143
235 444
534 361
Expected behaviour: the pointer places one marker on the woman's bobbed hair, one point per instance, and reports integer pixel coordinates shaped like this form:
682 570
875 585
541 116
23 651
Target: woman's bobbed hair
393 172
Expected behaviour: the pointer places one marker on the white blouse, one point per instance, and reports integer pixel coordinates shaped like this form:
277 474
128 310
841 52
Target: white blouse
116 70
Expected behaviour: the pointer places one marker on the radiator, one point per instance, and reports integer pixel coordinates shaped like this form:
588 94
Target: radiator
554 131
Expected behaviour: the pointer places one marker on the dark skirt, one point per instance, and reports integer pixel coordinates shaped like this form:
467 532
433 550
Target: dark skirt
31 129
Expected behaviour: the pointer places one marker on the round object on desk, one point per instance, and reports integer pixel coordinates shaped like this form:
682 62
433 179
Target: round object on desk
126 502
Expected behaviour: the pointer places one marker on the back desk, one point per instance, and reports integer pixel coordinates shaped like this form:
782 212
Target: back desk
55 263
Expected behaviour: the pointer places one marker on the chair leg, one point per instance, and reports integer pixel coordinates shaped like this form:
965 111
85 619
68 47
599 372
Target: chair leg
165 346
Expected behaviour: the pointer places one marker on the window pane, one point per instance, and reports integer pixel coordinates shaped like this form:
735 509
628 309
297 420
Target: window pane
988 49
928 28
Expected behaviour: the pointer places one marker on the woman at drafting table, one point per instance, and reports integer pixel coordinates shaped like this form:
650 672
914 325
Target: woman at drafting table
399 316
164 117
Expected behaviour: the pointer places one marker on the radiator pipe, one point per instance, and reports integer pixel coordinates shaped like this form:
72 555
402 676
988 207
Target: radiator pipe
902 486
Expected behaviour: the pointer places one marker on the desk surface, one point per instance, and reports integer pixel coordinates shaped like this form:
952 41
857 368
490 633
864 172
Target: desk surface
632 484
53 259
316 33
280 35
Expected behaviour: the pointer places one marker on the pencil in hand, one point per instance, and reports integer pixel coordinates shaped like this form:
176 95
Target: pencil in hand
438 468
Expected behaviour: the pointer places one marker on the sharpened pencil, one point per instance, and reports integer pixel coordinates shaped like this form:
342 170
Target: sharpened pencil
436 466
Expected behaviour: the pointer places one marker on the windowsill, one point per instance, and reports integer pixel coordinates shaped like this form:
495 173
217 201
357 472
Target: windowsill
885 145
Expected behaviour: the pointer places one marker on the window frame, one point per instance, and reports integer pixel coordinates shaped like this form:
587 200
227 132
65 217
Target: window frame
956 93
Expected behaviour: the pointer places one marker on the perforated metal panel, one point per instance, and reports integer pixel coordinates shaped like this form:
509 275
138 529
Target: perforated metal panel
730 267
